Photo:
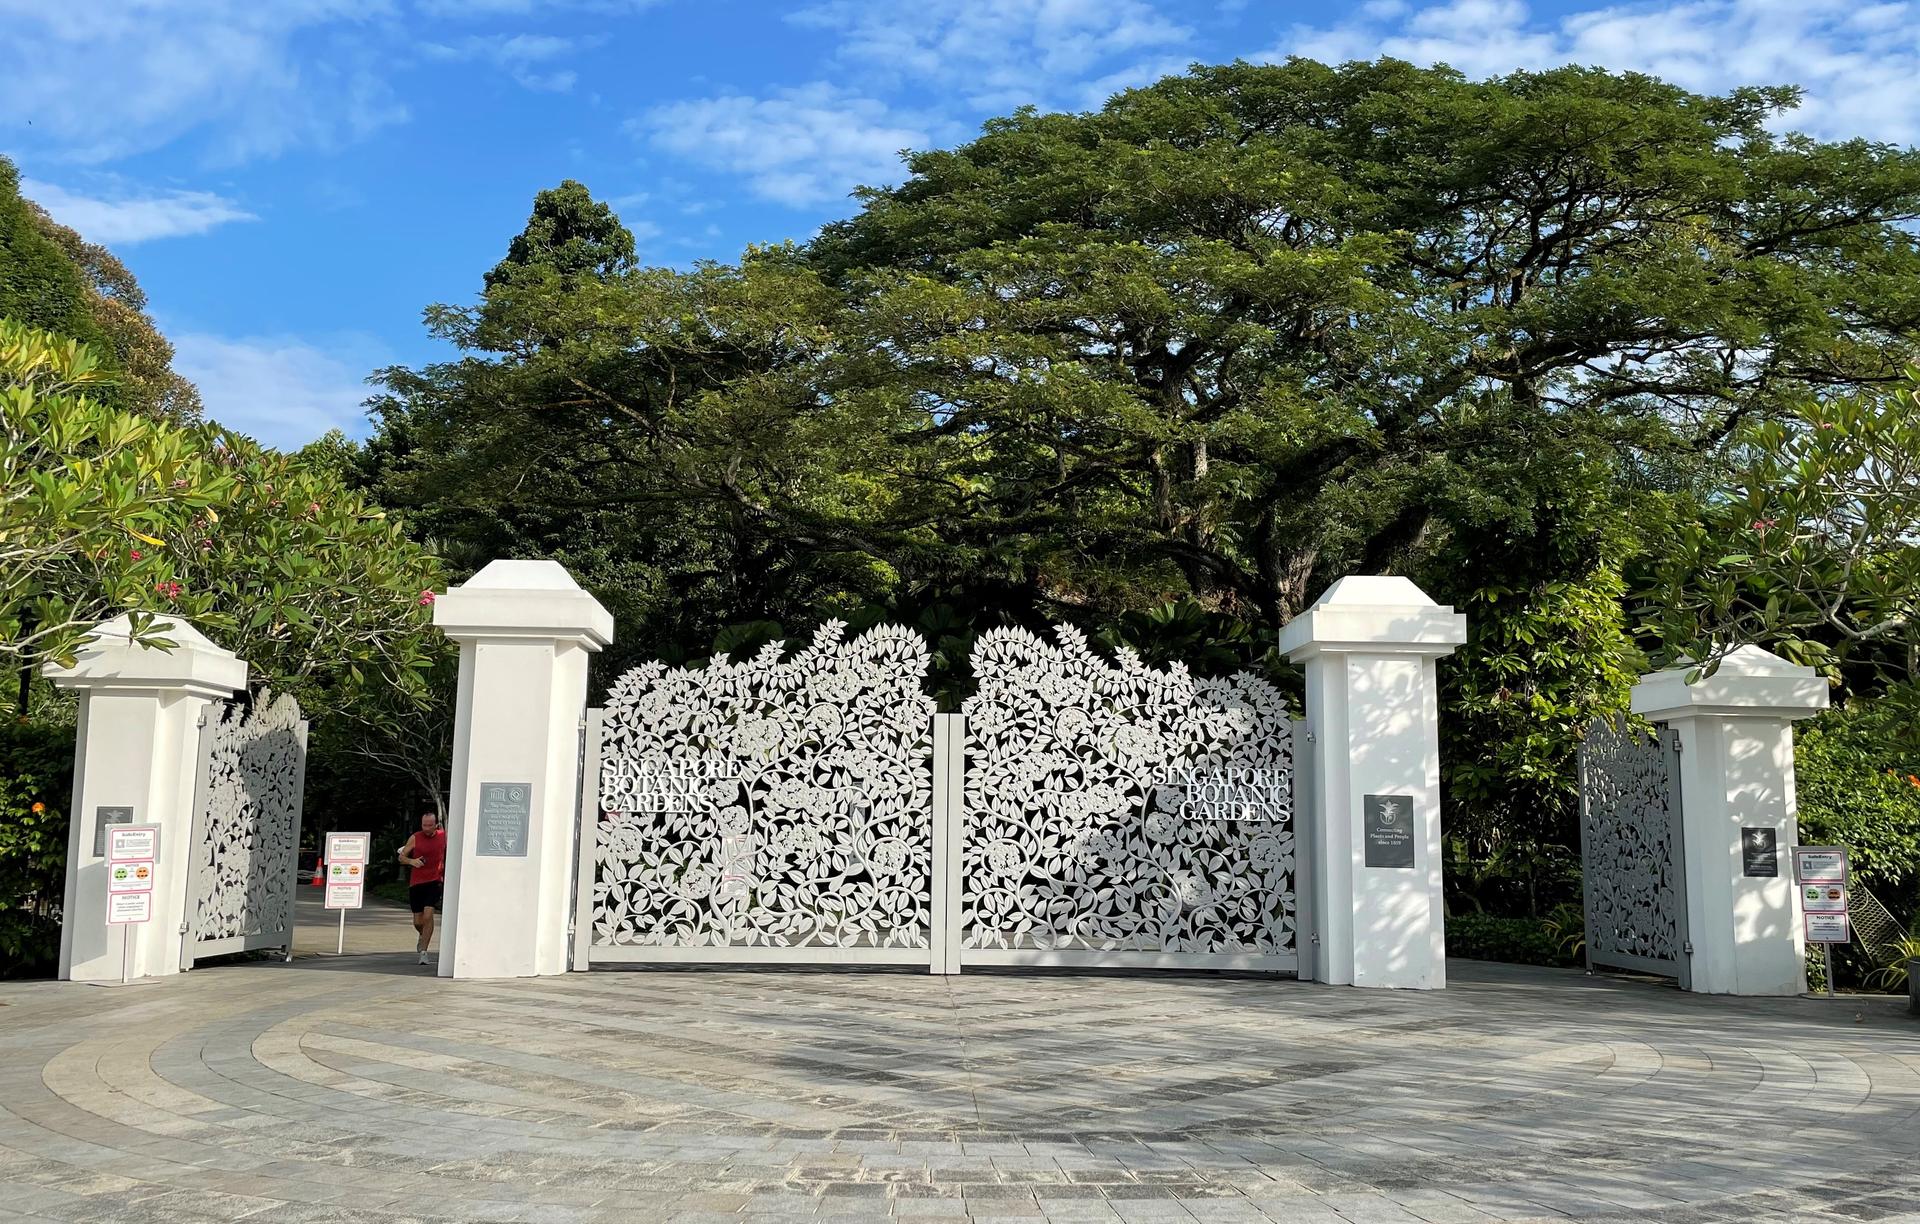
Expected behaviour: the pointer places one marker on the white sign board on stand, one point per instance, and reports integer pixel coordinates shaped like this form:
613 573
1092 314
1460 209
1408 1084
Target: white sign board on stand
1820 873
133 856
346 875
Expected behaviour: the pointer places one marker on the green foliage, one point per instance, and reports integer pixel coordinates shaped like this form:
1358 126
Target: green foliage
1855 773
1814 551
86 493
1896 964
36 781
39 284
1517 941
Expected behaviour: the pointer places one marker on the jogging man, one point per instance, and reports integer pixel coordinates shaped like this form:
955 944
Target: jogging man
426 853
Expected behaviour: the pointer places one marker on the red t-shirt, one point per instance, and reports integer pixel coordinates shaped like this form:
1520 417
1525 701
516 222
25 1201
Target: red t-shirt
431 850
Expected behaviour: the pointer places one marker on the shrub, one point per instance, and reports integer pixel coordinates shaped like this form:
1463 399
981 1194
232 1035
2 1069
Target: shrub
1857 788
36 783
1517 941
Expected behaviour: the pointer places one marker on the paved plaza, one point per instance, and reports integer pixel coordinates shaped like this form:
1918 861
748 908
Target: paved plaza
365 1089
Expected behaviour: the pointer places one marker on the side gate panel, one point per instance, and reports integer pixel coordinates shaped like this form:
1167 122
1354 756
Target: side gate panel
774 811
1117 815
1632 852
244 859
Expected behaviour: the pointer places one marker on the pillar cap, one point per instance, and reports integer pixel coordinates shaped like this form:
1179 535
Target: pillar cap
109 660
523 599
1750 682
1374 614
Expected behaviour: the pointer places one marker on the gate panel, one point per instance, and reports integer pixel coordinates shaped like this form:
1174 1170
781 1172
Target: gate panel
1122 816
1631 850
773 810
245 853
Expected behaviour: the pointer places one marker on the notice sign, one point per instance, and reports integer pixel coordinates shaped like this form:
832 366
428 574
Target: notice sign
1823 898
506 819
348 847
1758 854
133 842
1828 929
126 909
1389 830
345 896
104 818
133 876
1820 864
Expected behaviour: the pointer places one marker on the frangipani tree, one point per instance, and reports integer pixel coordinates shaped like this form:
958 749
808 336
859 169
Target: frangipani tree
1814 551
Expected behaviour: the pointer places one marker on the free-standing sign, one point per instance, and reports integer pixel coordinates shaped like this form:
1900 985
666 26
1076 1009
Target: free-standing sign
1759 855
506 819
133 852
104 818
347 870
1821 873
1389 830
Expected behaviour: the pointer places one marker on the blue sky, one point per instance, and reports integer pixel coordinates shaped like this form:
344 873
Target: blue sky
293 180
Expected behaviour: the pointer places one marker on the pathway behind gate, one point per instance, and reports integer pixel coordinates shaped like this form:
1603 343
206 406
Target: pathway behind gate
364 1090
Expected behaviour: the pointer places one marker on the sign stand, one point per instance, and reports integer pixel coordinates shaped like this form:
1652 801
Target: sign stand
346 876
133 858
1820 873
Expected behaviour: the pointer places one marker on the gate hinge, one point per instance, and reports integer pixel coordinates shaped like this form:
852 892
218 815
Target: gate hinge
1677 745
1687 947
183 928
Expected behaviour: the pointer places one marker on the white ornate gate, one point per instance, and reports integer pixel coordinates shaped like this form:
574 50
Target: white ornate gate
246 833
1121 816
773 810
813 810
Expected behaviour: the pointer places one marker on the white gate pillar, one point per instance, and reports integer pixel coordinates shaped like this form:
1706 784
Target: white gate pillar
1370 838
136 754
1736 776
525 630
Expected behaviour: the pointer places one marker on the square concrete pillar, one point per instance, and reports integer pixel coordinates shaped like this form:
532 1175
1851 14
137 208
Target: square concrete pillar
1369 829
1736 774
525 630
137 755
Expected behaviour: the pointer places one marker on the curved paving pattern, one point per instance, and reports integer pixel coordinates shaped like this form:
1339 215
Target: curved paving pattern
361 1090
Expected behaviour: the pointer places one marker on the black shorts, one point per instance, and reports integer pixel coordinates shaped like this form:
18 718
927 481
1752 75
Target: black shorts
426 896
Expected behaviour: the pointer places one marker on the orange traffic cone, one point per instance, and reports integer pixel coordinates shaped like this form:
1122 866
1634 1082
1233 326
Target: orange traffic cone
319 875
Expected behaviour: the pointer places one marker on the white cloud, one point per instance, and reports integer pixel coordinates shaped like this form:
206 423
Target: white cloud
998 53
97 80
129 218
527 58
1859 63
799 146
281 390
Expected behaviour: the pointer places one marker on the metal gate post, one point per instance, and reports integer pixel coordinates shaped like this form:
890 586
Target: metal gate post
949 791
587 842
1306 937
1677 812
299 813
210 716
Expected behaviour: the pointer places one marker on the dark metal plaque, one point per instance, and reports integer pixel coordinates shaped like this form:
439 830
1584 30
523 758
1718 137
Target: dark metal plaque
102 817
1759 855
1389 830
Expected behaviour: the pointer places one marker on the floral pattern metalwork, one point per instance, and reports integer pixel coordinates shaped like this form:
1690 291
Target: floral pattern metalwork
779 802
1628 840
244 859
1081 830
